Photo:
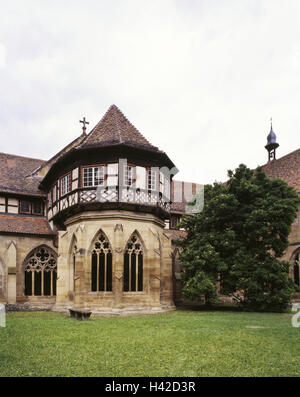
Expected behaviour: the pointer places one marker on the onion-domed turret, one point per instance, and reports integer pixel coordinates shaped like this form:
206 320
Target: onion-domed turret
271 145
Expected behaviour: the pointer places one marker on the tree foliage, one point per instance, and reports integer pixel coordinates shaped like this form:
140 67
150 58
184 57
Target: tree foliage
238 239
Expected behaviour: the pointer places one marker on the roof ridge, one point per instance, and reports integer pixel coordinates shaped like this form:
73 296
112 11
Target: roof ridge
115 127
22 157
116 120
280 158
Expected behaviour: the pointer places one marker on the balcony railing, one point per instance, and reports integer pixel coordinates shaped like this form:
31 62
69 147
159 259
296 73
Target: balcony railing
112 194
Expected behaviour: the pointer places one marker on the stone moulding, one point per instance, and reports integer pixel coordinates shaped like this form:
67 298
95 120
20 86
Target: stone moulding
89 215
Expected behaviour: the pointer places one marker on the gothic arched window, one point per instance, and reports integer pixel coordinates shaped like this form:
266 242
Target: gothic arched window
102 264
133 265
73 270
40 273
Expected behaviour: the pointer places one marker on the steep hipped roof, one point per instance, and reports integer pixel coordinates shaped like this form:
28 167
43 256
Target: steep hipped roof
114 128
16 174
286 168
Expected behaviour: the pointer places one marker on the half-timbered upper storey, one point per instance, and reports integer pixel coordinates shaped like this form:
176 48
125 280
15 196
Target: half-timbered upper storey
22 203
113 166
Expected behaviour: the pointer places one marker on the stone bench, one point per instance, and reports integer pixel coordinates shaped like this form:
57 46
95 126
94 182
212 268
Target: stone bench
80 314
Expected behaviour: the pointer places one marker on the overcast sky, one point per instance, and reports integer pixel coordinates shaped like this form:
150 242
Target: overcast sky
200 79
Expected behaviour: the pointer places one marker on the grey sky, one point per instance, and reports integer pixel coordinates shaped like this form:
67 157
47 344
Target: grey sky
200 79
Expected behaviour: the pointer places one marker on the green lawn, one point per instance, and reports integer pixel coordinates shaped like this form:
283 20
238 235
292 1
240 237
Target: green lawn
181 343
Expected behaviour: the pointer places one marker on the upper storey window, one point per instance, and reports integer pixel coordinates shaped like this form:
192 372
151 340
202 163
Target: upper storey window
151 180
128 175
31 207
93 176
65 184
36 207
25 207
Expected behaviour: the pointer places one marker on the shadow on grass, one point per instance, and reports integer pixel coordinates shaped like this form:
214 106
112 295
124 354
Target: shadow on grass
212 308
226 307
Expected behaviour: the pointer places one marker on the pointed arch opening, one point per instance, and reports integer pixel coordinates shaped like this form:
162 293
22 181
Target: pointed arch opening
296 267
101 264
133 264
40 272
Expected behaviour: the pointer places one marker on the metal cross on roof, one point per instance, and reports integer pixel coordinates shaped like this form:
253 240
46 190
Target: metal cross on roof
84 122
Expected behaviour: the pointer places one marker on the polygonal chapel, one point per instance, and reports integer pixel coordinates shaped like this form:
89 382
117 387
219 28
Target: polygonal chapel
92 227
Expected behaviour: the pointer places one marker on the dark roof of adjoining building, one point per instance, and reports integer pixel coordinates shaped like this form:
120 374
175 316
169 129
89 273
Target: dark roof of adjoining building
14 223
115 128
16 174
175 234
286 168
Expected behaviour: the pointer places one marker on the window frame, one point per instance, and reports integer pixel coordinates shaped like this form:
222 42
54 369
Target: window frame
39 287
68 174
20 207
133 175
136 284
55 186
93 166
31 206
102 270
151 172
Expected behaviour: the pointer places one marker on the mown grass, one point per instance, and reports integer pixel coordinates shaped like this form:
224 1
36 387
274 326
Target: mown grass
181 343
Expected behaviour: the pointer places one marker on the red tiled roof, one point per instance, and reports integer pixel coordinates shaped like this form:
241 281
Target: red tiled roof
114 128
286 168
175 234
24 224
15 174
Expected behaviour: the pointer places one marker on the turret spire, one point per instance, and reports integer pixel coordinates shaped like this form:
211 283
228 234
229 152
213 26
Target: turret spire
271 145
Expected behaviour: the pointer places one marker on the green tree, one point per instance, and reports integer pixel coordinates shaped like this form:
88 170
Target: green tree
238 239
